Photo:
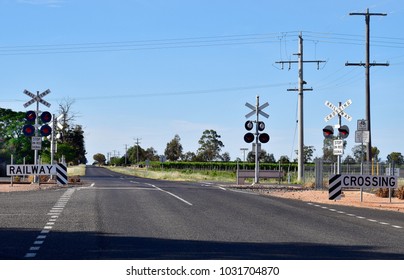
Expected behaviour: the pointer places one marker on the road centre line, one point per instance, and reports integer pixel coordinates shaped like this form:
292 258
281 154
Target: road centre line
167 192
354 216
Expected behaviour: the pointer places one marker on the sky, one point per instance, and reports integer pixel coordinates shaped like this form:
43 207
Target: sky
151 69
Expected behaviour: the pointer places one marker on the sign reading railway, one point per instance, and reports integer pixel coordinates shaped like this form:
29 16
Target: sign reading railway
34 169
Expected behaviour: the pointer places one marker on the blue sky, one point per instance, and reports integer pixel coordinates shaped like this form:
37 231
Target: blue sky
152 69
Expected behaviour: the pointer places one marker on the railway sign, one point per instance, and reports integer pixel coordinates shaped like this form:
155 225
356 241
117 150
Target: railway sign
254 110
338 110
37 98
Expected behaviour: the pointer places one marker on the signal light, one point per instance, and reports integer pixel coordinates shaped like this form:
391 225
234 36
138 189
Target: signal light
328 131
343 131
45 130
263 137
30 116
46 117
261 126
249 137
248 125
28 130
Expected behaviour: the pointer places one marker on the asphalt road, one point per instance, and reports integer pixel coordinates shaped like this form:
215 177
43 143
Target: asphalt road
114 216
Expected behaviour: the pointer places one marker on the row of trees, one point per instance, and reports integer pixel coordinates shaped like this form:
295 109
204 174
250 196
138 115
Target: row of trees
211 147
70 144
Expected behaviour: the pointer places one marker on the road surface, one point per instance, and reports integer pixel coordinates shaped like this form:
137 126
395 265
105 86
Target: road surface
115 216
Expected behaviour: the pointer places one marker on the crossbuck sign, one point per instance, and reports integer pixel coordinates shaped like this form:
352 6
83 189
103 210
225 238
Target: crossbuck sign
338 110
37 98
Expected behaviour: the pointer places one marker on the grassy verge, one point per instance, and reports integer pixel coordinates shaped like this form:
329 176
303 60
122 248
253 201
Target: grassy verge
177 175
77 170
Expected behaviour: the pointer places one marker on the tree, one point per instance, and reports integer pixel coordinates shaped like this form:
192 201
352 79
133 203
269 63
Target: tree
358 151
173 150
284 159
151 154
226 157
68 117
349 160
264 157
189 156
210 146
328 150
395 157
308 152
75 139
99 158
375 154
12 141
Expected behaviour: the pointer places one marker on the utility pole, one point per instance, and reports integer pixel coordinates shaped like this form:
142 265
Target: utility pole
301 89
137 148
126 153
367 66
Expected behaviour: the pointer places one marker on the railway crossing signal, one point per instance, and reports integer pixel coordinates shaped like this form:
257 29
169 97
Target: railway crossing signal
328 131
343 131
258 136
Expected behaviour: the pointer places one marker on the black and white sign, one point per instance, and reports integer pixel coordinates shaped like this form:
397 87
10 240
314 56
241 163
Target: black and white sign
36 143
37 98
338 147
362 136
30 169
367 181
338 110
362 125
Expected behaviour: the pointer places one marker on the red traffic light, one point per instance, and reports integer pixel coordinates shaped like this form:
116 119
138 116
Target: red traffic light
343 131
28 130
46 117
263 137
248 125
328 131
249 137
45 130
30 116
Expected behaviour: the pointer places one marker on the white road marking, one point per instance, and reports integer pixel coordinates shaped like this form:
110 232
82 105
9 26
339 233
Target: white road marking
167 192
355 216
54 212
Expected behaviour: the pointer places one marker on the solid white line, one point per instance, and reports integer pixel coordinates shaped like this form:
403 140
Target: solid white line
222 188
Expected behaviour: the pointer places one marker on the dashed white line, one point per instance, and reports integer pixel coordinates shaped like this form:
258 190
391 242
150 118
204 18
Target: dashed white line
56 210
355 216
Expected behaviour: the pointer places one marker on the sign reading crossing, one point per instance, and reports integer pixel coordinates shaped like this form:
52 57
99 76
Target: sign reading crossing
365 181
